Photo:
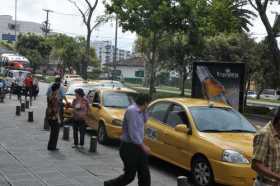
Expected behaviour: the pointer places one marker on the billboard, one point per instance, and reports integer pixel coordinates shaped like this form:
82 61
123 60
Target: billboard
223 82
8 37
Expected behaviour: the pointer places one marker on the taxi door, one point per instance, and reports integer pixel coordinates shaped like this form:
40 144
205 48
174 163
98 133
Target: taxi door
94 111
154 129
178 145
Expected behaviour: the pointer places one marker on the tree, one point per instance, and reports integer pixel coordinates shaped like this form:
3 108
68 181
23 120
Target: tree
228 16
87 20
34 47
261 7
265 70
70 51
150 20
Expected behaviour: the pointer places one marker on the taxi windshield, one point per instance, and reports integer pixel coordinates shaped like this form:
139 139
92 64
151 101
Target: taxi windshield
220 120
117 99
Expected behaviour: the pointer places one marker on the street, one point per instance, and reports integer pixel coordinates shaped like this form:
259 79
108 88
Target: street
25 161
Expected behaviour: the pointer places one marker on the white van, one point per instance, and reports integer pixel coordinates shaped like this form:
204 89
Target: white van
271 94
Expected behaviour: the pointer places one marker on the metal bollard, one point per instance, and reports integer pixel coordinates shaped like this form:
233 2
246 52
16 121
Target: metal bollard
27 104
93 144
182 181
66 131
17 110
30 116
22 107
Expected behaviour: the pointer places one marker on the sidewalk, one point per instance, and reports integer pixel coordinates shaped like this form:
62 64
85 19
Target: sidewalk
25 161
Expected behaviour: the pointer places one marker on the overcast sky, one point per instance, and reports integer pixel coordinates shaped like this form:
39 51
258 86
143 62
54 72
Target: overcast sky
71 22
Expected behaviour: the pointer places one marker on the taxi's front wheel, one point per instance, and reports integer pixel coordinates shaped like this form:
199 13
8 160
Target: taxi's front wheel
202 172
102 134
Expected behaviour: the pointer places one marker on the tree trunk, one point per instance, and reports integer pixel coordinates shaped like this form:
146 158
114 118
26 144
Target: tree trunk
152 62
87 57
184 77
272 41
152 79
146 74
247 89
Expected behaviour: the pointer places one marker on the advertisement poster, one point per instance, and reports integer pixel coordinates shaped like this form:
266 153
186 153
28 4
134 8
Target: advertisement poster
222 82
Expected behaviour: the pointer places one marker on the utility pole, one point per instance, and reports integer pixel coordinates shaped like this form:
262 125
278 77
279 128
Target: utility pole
15 19
116 47
46 27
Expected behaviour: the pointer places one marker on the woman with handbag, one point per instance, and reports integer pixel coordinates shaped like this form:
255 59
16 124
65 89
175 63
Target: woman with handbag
81 106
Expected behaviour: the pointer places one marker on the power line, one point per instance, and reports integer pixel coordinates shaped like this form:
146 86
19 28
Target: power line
65 14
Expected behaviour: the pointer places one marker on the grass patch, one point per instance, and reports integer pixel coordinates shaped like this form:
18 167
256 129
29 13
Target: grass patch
49 79
265 100
159 94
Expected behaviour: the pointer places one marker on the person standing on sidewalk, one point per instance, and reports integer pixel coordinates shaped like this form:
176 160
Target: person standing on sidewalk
266 154
133 152
61 96
52 117
28 83
81 107
18 85
35 88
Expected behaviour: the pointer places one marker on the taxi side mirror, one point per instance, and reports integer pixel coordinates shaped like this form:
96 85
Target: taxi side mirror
183 129
96 105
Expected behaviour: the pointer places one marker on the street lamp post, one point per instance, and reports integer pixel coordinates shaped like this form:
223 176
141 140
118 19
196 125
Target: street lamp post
15 19
115 50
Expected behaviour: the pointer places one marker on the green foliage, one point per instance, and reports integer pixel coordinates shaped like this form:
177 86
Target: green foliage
34 47
70 51
7 45
228 16
65 49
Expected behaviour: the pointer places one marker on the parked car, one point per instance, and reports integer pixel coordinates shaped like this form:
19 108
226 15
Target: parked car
71 77
107 111
213 141
271 94
251 94
108 83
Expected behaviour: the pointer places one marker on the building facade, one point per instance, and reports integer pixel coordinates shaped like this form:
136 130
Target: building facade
105 52
7 27
131 69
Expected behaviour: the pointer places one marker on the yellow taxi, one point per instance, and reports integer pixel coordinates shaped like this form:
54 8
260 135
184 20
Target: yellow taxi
212 140
108 106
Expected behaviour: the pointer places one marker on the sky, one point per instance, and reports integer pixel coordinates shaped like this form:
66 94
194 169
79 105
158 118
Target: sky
66 19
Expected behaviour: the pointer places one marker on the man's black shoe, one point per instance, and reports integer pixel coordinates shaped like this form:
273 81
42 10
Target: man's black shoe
51 149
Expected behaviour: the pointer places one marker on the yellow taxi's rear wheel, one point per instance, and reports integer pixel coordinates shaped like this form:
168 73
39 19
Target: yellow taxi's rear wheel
202 172
102 134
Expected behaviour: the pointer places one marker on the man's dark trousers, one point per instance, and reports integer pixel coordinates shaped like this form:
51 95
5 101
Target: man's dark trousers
135 160
54 132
